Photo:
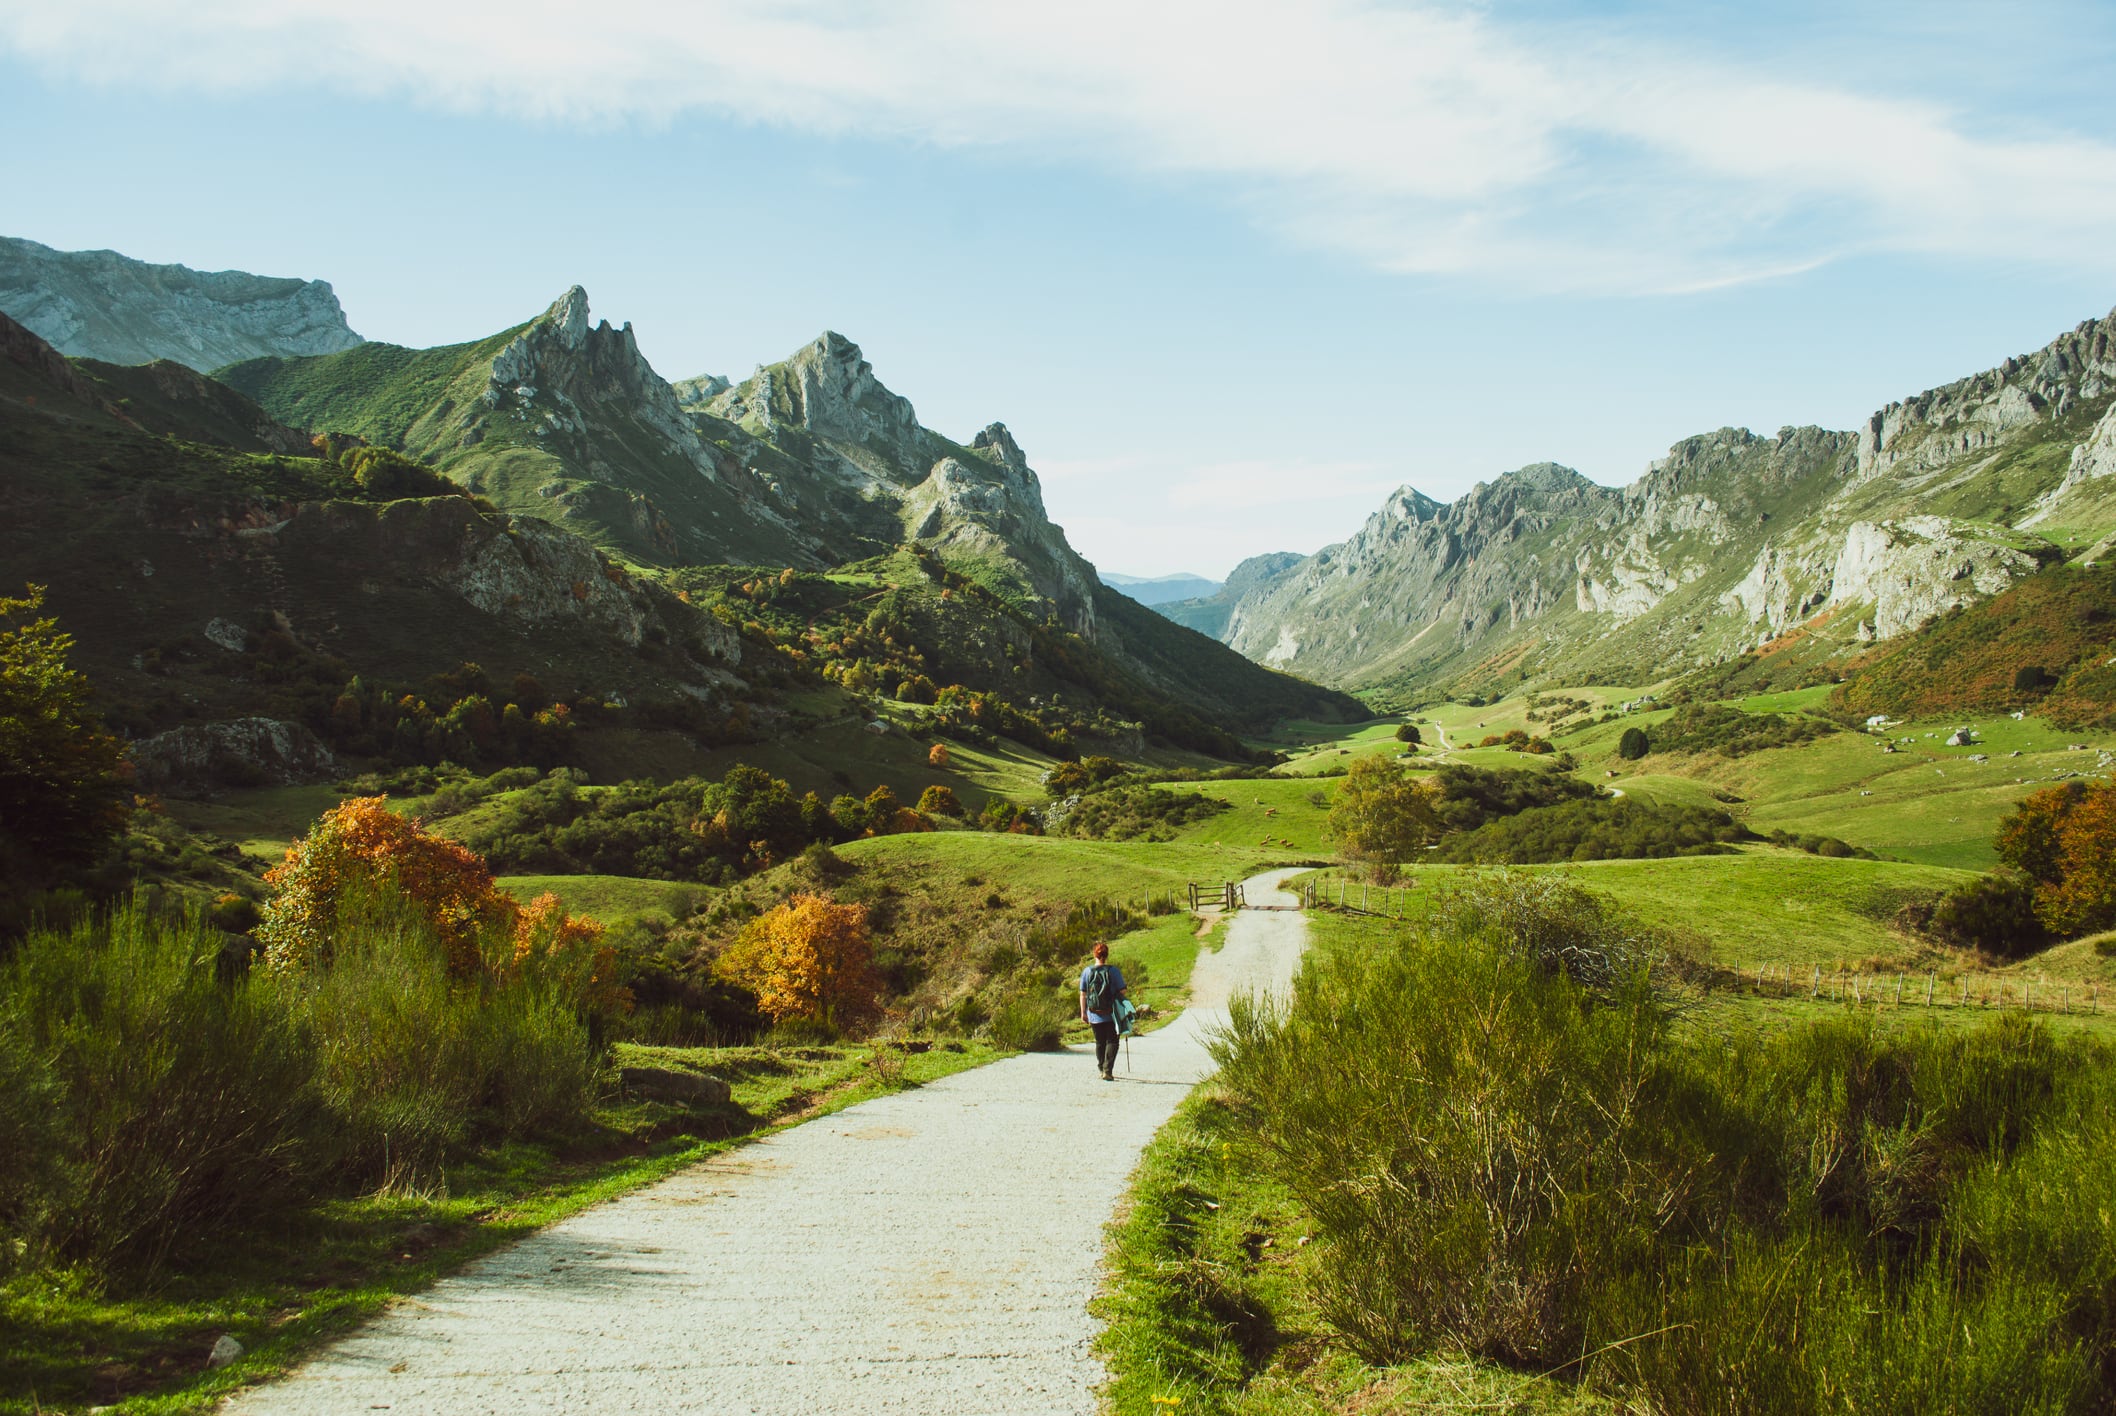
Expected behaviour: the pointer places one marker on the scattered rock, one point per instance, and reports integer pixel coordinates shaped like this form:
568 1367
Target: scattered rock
225 1350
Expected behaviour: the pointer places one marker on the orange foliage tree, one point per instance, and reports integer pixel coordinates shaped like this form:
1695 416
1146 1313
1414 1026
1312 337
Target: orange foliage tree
938 757
485 935
808 958
2064 839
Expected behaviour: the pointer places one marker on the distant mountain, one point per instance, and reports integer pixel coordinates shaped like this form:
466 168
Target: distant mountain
1159 590
101 305
212 567
808 463
1731 542
1209 613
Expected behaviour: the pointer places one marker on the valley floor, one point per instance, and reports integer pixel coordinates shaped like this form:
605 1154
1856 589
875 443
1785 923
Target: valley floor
928 1251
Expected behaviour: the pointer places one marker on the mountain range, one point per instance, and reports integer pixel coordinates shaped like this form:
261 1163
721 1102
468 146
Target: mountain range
1808 544
188 524
1732 542
1162 589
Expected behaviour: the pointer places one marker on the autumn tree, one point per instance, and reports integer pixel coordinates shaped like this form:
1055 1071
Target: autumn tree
62 786
807 959
2064 839
1382 812
938 757
486 937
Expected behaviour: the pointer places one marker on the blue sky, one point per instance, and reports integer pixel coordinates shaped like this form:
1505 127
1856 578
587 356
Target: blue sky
1231 271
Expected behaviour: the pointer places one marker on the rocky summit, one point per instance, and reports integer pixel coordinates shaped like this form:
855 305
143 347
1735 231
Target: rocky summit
1731 542
101 305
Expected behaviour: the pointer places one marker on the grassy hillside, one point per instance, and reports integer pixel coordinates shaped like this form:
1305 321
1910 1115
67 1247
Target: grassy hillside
382 392
2044 646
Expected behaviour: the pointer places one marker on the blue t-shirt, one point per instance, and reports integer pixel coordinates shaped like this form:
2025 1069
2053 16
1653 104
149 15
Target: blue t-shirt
1116 986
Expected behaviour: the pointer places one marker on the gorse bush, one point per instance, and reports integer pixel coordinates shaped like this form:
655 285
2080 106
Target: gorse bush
1504 1159
1994 913
153 1091
178 1102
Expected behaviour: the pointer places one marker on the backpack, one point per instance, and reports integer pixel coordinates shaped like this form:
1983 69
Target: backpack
1101 989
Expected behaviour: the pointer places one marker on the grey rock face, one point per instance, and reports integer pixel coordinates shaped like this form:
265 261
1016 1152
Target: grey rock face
1728 542
101 305
244 752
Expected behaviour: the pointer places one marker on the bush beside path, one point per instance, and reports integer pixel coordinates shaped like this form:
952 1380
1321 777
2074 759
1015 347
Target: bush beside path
929 1251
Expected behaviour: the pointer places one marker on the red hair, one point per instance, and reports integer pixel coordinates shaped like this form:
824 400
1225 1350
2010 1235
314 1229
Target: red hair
1101 950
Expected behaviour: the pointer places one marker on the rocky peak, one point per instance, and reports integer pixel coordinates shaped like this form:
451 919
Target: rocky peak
101 305
558 371
998 444
1973 415
700 391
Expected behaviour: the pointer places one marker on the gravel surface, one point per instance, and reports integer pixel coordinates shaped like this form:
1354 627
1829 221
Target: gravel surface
932 1251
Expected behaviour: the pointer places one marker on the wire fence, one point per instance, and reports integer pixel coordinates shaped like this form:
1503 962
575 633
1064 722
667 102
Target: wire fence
1929 990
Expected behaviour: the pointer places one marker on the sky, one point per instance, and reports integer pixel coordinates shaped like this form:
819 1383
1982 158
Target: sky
1230 271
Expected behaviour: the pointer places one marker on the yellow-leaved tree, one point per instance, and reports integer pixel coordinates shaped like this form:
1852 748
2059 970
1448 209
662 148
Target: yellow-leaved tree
807 959
1383 814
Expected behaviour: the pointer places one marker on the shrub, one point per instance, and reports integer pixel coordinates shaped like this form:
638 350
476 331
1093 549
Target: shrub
1028 1021
1994 913
412 1066
940 801
807 959
938 756
1633 744
181 1103
1467 797
1598 829
1714 727
1139 813
1408 733
1502 1160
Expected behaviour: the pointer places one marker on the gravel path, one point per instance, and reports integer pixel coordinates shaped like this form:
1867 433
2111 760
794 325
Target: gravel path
931 1251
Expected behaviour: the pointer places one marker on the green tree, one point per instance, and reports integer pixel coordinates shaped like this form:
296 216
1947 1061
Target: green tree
1382 812
1633 744
62 777
1408 733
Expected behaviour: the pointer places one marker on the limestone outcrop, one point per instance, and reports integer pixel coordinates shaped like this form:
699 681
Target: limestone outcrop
246 752
101 305
1730 541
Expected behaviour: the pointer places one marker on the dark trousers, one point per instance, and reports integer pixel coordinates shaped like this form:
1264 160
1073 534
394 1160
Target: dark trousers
1105 1046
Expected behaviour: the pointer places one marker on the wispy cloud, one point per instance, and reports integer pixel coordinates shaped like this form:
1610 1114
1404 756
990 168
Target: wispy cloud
1420 137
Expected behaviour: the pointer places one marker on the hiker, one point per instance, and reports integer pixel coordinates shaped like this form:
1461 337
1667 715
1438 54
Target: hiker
1101 985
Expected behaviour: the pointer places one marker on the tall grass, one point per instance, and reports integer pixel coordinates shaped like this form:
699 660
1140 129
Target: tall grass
150 1094
1514 1146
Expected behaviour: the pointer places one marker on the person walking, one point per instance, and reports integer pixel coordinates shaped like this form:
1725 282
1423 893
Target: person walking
1101 985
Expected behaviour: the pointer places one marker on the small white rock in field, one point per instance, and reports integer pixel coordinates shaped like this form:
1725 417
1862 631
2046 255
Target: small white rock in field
225 1350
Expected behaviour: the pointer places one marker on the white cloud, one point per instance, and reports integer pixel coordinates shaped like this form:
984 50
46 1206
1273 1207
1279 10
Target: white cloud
1421 137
